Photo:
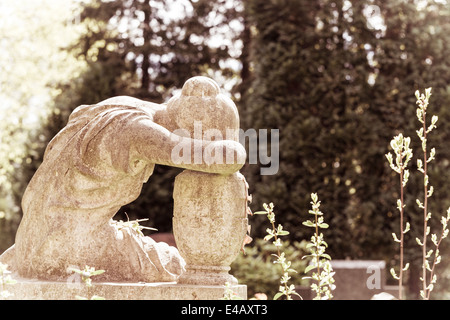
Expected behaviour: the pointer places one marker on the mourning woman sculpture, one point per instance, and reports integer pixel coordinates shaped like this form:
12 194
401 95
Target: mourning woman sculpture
98 163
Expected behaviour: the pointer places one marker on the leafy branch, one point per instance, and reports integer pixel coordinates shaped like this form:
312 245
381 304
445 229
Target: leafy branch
400 145
131 224
86 274
273 234
229 294
5 279
422 166
403 154
324 281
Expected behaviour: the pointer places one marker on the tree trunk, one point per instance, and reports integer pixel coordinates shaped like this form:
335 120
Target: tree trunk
147 33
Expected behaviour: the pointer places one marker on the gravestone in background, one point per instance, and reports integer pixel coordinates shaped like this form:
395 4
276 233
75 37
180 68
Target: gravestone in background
357 280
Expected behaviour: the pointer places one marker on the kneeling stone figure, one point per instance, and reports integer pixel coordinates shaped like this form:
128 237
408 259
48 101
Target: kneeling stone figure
98 163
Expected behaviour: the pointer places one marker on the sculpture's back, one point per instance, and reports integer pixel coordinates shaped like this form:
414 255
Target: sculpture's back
70 201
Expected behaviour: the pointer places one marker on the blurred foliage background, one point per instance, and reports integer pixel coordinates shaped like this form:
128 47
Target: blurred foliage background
336 77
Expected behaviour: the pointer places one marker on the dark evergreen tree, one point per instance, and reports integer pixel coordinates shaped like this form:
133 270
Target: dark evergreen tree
410 54
310 81
337 78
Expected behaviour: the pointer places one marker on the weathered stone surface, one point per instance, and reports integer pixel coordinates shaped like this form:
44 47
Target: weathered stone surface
201 101
26 289
210 209
209 224
97 164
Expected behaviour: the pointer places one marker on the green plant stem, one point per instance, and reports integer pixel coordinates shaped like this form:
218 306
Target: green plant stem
425 209
317 257
275 237
281 259
279 254
427 296
400 278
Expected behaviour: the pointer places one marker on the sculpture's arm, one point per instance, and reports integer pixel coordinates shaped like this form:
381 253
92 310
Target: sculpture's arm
155 144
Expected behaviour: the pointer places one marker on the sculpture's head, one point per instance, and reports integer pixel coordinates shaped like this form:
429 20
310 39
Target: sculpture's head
201 103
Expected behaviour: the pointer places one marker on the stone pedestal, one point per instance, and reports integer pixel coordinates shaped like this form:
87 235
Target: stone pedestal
26 289
209 224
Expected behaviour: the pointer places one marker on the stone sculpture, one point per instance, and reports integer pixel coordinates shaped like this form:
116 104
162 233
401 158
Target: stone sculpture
209 224
210 210
99 162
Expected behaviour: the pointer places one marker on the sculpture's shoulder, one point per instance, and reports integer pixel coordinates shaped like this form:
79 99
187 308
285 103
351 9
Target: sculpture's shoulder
119 102
87 121
101 113
132 104
78 119
99 136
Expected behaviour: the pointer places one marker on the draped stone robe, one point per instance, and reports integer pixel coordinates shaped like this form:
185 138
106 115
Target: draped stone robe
91 168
